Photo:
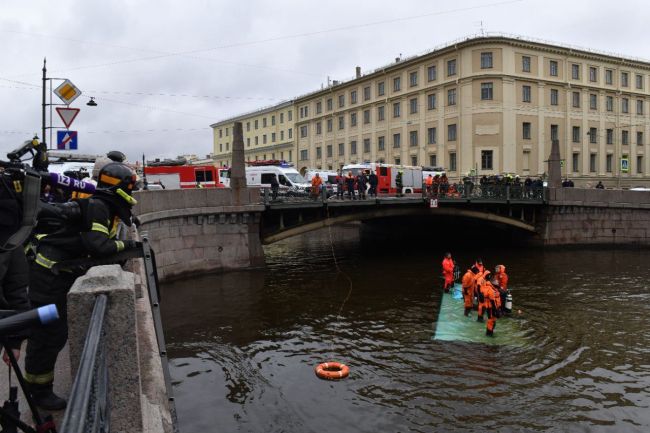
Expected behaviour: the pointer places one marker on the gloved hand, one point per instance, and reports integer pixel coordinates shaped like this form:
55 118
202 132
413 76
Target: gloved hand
129 244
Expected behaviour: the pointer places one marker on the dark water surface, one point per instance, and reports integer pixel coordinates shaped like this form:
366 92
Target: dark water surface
244 345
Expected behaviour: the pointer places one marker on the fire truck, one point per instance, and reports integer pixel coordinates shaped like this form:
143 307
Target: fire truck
386 174
183 176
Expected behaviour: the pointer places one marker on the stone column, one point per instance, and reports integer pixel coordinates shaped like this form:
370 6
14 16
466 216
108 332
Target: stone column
554 168
237 171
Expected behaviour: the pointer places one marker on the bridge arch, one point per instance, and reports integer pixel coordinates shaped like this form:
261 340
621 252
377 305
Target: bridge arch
396 212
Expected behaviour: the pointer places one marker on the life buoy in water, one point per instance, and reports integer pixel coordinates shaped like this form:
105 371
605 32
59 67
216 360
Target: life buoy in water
332 370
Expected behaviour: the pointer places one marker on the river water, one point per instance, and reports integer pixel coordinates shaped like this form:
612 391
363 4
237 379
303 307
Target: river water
243 345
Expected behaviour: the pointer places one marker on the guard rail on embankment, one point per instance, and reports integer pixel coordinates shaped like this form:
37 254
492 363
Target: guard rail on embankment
201 230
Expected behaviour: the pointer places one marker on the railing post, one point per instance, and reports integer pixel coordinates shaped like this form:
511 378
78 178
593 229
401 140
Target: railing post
323 194
507 192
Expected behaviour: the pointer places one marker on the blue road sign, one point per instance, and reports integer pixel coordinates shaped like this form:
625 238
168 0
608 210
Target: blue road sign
66 140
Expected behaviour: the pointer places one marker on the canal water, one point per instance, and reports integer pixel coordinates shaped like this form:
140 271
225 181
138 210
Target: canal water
244 345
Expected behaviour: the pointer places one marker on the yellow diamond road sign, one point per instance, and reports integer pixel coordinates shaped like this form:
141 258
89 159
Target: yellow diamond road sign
67 91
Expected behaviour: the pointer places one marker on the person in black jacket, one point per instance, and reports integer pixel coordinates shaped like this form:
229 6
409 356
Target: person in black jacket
92 234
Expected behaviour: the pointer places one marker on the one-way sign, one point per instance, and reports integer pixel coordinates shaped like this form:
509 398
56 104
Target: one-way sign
66 140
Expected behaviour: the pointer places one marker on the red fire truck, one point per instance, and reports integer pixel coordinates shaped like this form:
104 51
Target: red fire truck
183 176
386 174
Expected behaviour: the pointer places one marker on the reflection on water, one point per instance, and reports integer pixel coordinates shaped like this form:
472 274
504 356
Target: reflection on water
244 345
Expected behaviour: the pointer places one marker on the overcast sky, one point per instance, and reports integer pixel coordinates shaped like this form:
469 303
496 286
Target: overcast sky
162 71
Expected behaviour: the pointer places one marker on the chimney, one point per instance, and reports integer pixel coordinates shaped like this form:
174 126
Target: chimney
358 71
396 59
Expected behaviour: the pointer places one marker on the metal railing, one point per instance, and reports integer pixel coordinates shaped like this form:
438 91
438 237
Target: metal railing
89 409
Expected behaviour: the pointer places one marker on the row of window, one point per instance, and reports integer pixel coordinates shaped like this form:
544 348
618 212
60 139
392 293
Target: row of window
256 123
576 73
413 137
609 162
273 137
592 134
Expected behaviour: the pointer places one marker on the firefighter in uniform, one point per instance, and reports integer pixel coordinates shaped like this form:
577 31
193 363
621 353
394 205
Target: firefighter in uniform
91 236
399 183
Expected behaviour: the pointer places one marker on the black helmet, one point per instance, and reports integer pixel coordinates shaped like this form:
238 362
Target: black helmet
116 155
118 178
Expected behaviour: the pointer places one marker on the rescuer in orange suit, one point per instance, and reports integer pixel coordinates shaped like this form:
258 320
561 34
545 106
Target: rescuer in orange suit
479 265
316 183
501 282
469 287
491 304
448 272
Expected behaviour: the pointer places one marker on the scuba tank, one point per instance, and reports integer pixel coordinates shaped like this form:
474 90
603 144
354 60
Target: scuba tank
508 307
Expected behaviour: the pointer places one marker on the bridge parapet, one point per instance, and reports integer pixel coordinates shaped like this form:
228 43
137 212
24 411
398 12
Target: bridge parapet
615 198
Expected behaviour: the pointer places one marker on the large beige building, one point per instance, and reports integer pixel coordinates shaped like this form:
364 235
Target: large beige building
485 105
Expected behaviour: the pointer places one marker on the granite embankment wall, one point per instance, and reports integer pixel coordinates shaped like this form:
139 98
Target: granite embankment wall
576 216
201 230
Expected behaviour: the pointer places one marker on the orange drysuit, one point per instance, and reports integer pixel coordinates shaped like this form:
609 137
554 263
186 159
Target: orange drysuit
469 287
502 277
491 305
448 273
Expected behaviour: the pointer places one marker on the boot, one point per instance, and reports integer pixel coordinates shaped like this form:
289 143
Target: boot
479 319
45 398
467 310
489 333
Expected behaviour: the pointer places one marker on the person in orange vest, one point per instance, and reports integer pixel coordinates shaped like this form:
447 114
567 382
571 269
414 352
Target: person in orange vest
316 183
491 304
469 288
501 282
448 272
429 183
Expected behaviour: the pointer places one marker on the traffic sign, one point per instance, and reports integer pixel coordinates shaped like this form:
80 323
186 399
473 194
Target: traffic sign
67 115
67 92
625 164
66 140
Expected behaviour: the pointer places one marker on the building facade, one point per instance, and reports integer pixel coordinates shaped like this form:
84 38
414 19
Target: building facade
487 105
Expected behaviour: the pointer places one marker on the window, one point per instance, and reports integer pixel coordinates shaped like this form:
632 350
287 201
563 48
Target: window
398 161
319 107
575 162
624 79
593 135
608 163
576 99
433 160
414 160
319 152
304 155
609 136
609 76
593 101
319 128
431 101
273 137
526 130
525 94
554 132
341 101
486 160
366 116
281 135
451 67
272 120
639 106
289 115
625 105
396 109
431 136
257 140
353 119
380 88
639 164
366 93
330 151
625 137
341 149
256 124
576 134
639 81
341 122
413 105
413 79
593 74
451 132
592 162
486 60
353 97
413 138
397 140
353 147
264 119
303 132
264 137
380 113
575 72
609 103
220 147
553 68
639 138
330 104
381 143
397 84
366 145
452 161
248 125
525 63
554 96
248 141
451 97
220 133
486 91
432 73
329 125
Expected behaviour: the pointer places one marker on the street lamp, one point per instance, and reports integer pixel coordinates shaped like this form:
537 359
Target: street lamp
92 102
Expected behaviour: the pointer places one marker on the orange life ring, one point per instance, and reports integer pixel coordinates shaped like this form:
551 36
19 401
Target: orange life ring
332 370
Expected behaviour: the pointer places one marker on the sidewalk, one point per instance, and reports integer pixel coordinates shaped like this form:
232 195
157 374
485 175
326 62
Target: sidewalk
62 385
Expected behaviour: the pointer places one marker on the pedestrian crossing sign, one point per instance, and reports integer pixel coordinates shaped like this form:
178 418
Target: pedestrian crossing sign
66 140
625 164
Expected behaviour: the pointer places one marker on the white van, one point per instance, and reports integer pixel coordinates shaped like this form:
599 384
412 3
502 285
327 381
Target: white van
288 177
